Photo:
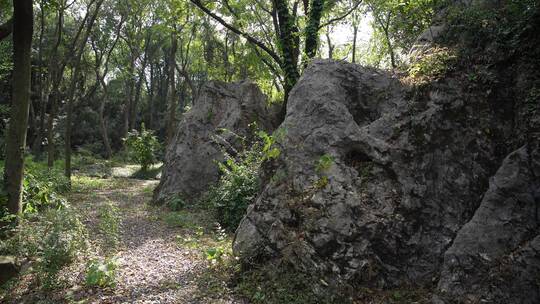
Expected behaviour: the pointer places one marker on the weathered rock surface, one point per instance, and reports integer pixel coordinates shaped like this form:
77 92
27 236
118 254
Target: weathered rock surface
217 122
8 268
408 169
495 257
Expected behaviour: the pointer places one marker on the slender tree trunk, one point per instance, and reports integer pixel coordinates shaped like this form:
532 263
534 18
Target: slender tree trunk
151 99
355 36
16 138
103 128
171 122
73 87
50 129
390 48
129 100
36 145
330 45
55 76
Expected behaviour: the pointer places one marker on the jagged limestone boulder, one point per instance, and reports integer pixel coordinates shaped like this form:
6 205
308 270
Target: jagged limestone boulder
374 179
495 257
218 121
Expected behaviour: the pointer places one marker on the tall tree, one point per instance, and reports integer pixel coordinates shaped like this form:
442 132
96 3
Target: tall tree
73 85
285 19
23 23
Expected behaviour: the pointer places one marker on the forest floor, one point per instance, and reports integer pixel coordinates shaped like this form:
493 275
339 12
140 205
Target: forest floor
161 256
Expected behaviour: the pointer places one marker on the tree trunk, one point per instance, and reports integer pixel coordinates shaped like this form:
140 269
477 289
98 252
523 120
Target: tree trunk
129 100
36 145
16 138
312 28
103 128
171 122
50 129
355 35
329 42
56 71
151 99
73 87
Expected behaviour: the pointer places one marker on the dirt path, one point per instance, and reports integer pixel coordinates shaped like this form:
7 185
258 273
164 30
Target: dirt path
160 254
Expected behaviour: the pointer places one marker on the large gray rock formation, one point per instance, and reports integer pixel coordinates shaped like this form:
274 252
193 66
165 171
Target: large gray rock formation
375 180
218 121
495 257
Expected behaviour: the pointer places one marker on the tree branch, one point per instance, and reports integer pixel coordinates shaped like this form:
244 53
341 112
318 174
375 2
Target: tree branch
249 38
329 22
6 29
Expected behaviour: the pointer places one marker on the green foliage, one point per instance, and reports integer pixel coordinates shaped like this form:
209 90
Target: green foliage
396 25
324 163
109 223
176 203
501 25
101 273
42 188
214 254
269 149
237 186
433 64
143 147
51 239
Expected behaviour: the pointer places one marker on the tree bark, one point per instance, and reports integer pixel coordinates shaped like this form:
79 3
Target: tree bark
23 19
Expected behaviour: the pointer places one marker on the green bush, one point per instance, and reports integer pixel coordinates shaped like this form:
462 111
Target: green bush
51 239
42 188
101 273
237 186
142 147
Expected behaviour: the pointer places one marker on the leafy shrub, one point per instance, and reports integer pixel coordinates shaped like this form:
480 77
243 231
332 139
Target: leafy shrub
143 147
51 239
39 192
42 189
237 186
101 273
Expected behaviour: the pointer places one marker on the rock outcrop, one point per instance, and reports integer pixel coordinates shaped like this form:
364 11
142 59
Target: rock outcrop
375 180
218 121
495 257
